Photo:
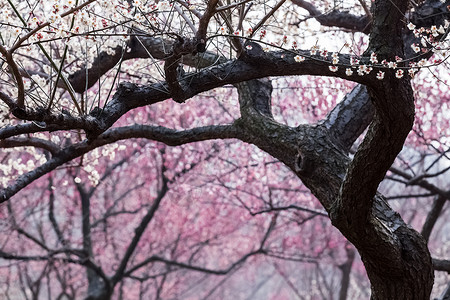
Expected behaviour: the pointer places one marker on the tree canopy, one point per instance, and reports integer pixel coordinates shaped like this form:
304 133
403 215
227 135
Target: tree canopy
207 149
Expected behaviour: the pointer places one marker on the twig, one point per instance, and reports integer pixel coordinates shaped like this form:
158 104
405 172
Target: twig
264 19
15 70
225 7
366 9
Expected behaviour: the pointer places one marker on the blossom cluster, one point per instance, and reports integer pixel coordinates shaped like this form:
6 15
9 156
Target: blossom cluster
428 42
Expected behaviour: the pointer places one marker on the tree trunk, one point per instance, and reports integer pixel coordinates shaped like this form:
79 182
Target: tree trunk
396 257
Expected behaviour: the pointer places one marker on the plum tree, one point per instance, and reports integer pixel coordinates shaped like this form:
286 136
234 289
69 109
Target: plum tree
150 149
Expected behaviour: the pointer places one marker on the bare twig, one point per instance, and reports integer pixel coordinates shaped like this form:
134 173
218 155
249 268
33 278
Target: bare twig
225 7
267 16
366 9
15 70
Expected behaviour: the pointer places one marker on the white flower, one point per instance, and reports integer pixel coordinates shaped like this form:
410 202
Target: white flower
422 62
348 72
163 5
415 48
335 60
333 68
392 65
354 61
416 33
423 42
399 73
380 75
412 72
373 58
362 68
39 80
411 26
299 58
77 180
249 47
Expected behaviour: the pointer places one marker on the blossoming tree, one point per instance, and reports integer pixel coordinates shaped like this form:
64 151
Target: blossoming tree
155 149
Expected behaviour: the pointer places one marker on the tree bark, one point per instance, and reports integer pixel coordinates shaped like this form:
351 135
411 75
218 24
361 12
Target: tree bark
396 256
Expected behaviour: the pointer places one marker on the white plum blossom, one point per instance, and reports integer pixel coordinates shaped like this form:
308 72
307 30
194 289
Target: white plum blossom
164 5
392 65
348 72
422 62
354 61
399 73
412 72
423 42
380 75
411 26
415 48
299 58
333 68
335 58
364 69
373 58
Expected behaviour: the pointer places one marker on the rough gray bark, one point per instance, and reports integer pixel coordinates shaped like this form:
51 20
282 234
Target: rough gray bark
397 260
396 257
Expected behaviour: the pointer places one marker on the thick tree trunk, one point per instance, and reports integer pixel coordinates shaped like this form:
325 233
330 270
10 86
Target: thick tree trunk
396 257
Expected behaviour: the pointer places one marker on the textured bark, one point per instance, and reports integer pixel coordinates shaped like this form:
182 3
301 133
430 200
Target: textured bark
396 257
341 121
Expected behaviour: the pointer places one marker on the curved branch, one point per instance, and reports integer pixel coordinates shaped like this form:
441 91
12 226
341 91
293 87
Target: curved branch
394 104
193 268
441 265
432 217
422 183
139 46
51 256
33 127
165 135
336 18
31 141
15 70
350 117
139 231
253 65
237 263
